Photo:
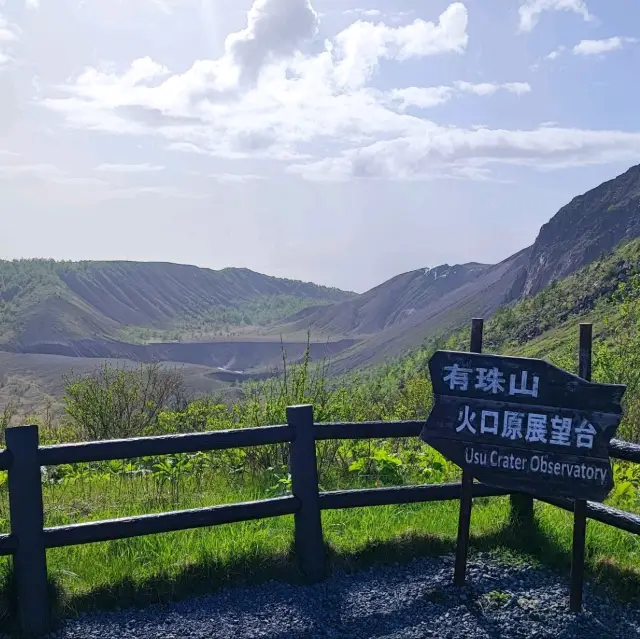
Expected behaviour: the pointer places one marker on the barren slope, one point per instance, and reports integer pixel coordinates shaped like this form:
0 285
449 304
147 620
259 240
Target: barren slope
480 297
386 305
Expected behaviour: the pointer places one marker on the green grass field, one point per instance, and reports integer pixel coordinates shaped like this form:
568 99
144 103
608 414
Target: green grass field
162 567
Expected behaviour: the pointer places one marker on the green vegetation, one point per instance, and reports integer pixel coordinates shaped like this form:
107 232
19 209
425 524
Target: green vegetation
23 285
118 403
143 302
224 321
149 568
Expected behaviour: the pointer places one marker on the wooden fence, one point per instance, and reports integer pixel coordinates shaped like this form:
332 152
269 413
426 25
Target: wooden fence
29 539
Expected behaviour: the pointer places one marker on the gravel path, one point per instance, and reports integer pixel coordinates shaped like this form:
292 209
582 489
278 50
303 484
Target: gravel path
411 600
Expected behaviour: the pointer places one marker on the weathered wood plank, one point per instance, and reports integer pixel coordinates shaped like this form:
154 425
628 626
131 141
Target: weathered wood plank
165 445
445 419
466 492
557 387
5 459
309 540
530 471
580 506
625 451
491 410
367 430
8 544
126 527
363 497
26 518
600 512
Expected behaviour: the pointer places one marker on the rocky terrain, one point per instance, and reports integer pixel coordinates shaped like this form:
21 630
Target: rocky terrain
415 600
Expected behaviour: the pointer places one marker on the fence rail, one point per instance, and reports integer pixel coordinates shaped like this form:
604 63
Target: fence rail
5 459
29 539
125 527
165 445
98 451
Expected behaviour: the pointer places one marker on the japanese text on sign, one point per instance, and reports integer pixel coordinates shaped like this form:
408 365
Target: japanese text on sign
530 427
490 380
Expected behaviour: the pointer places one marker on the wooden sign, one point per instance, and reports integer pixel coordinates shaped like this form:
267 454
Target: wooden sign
523 424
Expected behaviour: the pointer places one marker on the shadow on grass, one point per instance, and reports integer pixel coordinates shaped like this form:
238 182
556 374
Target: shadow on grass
9 603
514 541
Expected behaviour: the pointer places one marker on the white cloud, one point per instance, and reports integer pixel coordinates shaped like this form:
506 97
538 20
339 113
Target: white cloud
267 99
363 44
489 88
233 178
46 173
275 28
292 101
370 13
32 4
38 170
167 191
8 31
597 47
186 147
557 53
428 97
9 35
448 151
530 11
128 168
421 97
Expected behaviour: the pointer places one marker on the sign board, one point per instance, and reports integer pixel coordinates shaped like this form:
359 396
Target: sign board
523 424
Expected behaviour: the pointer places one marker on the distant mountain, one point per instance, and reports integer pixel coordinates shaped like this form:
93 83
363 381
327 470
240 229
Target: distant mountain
401 313
482 293
386 305
47 302
591 225
169 312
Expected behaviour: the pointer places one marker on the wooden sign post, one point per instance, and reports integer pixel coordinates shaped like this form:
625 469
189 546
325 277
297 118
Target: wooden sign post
524 425
466 497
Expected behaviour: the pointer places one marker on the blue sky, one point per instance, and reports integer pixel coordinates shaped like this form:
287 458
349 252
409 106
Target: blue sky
339 141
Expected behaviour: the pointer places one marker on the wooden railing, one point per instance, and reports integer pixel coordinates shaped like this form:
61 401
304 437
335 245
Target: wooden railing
29 539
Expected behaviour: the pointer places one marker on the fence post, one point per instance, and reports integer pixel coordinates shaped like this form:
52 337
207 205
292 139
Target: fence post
27 522
580 505
521 509
309 542
466 495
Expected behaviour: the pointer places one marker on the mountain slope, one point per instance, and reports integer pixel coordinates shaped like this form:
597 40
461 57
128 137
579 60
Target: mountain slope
43 301
388 304
95 308
592 224
546 325
480 296
590 294
400 314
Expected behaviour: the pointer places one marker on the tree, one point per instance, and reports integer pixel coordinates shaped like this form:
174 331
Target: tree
120 402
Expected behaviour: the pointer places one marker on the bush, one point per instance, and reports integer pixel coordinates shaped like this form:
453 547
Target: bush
117 402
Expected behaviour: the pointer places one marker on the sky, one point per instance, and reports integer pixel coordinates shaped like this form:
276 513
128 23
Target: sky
335 141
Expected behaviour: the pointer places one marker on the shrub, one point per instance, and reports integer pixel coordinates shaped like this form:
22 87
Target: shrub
115 402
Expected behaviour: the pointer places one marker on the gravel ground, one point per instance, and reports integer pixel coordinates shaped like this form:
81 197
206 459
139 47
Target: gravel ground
411 600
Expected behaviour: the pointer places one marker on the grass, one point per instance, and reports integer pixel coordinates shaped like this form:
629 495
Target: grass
160 568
